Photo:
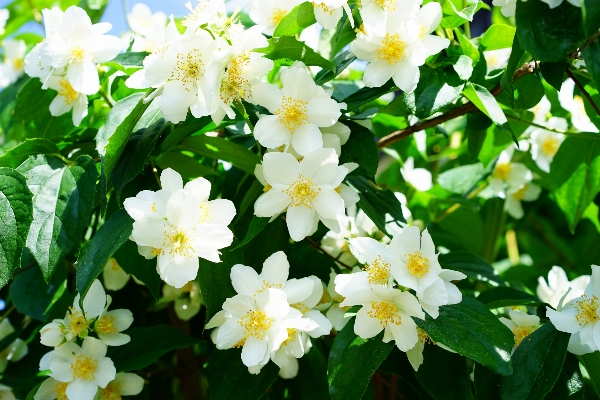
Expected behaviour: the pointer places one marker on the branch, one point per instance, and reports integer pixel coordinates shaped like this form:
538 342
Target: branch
322 250
583 91
457 112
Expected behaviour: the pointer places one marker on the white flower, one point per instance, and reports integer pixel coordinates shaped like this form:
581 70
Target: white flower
329 12
187 300
76 322
51 389
212 13
386 309
580 315
398 51
508 6
441 292
574 104
15 351
496 59
556 3
149 29
336 313
268 13
67 99
419 178
558 285
521 325
515 195
124 384
299 110
509 174
110 323
13 65
84 368
545 144
6 393
78 46
306 189
115 278
335 136
540 111
4 14
375 12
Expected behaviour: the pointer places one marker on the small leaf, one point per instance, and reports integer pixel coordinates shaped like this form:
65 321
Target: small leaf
134 264
300 17
591 55
537 363
147 345
288 48
341 61
444 375
488 105
366 95
15 156
130 59
361 148
513 63
505 297
257 224
471 265
461 179
554 72
498 36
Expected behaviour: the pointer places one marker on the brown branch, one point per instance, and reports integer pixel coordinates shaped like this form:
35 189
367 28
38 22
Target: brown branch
322 250
457 112
583 91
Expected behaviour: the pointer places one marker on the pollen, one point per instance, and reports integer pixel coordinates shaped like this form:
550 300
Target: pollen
587 310
292 113
387 5
67 92
277 16
204 214
302 192
520 194
18 64
194 15
106 325
392 50
61 390
424 337
502 171
550 146
153 207
84 368
256 324
267 188
423 30
385 312
234 86
417 264
111 392
292 335
189 67
78 54
75 322
521 332
379 272
178 243
300 307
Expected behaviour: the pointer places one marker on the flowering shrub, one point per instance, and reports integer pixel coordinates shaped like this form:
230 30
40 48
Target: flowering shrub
305 200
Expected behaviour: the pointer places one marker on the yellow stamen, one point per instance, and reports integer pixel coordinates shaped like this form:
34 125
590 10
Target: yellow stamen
84 368
111 392
189 68
387 5
234 87
292 335
277 16
292 113
521 332
256 324
502 171
61 390
204 214
385 312
379 272
417 264
67 92
550 146
75 322
106 325
392 49
587 310
302 192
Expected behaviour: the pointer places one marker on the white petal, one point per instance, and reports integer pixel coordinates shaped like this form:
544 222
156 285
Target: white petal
299 222
365 326
307 138
254 351
276 269
378 73
245 280
271 203
129 384
81 390
271 133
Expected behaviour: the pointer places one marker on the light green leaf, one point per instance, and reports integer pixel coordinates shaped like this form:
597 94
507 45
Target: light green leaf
461 179
300 17
15 156
498 36
290 49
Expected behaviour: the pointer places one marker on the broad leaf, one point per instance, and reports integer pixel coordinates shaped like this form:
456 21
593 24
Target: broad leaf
569 384
461 179
505 297
513 63
486 103
341 61
591 55
288 49
302 16
257 224
134 264
30 147
471 265
62 204
498 36
366 95
444 375
554 72
360 148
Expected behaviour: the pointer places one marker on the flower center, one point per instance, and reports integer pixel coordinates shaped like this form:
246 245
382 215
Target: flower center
256 324
84 368
179 243
587 310
194 15
277 16
61 390
292 113
379 272
67 92
417 264
189 67
302 192
392 49
300 307
106 325
18 64
234 86
292 335
579 109
502 171
521 332
550 146
387 5
75 322
385 312
78 54
520 194
111 392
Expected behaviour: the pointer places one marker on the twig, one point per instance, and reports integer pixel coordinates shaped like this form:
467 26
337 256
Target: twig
23 269
7 313
457 112
105 97
318 247
155 172
583 91
575 55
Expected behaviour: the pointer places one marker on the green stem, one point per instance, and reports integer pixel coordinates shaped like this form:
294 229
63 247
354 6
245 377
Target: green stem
575 134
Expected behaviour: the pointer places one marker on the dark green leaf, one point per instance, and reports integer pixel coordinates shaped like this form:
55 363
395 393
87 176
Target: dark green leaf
470 329
341 61
311 382
352 362
302 16
569 385
366 95
498 36
95 254
471 265
487 383
133 263
537 363
575 177
257 224
528 92
591 55
361 148
147 345
229 379
377 203
221 149
16 215
554 72
513 63
591 362
187 166
506 296
62 204
290 49
444 375
15 156
306 260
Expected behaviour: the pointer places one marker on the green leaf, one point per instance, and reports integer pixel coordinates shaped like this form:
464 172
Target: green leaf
537 363
300 17
591 55
470 329
215 280
461 179
487 383
188 166
311 382
306 260
341 61
575 177
471 265
457 17
257 224
130 59
554 72
221 149
361 148
467 48
498 36
15 156
379 204
485 102
591 362
366 95
513 63
569 384
134 264
147 345
549 34
353 361
528 92
229 379
289 49
506 296
31 395
444 375
63 198
16 215
95 253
